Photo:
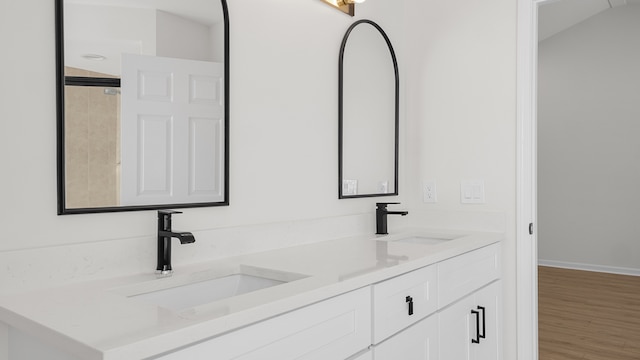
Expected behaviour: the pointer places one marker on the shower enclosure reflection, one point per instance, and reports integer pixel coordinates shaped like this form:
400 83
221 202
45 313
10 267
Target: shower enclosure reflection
92 133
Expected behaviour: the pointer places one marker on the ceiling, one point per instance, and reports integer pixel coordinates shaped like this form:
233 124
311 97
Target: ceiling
203 11
109 36
557 16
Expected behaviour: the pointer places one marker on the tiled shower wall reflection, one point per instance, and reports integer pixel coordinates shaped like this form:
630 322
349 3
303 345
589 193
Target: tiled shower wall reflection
92 144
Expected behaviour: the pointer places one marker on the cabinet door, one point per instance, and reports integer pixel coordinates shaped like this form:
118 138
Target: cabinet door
489 347
470 328
455 330
418 342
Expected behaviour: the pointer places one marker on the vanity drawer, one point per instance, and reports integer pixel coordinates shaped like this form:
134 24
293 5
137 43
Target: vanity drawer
335 328
394 299
466 273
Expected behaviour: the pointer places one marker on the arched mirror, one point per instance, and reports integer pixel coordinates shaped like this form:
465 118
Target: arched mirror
143 116
368 113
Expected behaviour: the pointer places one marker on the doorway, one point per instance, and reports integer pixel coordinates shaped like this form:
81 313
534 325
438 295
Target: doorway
528 184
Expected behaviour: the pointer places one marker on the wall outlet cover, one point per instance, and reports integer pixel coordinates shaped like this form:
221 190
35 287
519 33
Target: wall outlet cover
349 187
429 194
383 187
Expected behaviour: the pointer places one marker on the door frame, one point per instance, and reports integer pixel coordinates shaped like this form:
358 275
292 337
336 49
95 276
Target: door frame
526 180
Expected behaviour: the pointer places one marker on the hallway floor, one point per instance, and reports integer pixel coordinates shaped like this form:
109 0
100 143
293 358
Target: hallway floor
588 315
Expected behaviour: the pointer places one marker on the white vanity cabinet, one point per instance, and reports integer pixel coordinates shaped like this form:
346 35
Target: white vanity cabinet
336 328
446 324
430 313
448 309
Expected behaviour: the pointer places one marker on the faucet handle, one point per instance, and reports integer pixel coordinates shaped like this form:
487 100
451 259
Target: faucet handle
168 212
164 219
383 205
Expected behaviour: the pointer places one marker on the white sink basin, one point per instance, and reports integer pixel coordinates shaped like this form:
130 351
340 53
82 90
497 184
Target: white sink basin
421 238
425 240
203 292
179 293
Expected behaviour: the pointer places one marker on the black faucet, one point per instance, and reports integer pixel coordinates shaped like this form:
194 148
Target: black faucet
164 240
381 217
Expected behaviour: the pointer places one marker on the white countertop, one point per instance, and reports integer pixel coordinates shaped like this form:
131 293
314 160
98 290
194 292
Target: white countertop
98 320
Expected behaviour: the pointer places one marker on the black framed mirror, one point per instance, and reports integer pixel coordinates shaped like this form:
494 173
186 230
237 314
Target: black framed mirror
142 104
368 120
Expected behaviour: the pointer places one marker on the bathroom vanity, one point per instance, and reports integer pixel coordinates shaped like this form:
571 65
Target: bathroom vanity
413 295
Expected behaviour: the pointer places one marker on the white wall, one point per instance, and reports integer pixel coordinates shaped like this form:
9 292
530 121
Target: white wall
589 174
283 125
457 67
118 29
461 94
217 37
172 33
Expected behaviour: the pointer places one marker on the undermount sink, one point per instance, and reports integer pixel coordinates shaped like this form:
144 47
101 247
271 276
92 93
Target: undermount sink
425 240
183 295
422 239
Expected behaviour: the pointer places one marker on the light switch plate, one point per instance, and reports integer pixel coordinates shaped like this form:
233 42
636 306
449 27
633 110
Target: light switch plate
429 194
472 192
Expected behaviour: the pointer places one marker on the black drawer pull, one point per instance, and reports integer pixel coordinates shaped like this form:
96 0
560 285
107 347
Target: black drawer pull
409 299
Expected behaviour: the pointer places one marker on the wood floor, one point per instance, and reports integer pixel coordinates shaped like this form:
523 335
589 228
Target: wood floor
588 315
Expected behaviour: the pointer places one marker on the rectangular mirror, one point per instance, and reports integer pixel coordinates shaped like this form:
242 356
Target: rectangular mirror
143 94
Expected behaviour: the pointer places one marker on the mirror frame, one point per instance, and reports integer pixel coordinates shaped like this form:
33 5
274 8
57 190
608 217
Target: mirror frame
341 101
60 100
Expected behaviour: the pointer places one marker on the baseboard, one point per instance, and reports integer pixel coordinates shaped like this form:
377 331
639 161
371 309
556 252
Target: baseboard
590 267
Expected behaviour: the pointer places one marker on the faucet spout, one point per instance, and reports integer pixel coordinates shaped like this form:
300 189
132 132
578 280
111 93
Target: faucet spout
185 237
164 240
381 217
401 213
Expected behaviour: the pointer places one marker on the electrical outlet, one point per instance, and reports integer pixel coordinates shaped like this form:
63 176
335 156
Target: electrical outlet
349 187
429 192
383 187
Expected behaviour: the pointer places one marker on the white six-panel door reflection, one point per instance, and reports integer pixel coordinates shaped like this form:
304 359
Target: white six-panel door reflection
172 132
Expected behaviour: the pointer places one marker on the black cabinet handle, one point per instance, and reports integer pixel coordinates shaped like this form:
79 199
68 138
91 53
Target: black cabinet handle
484 321
477 339
409 299
479 335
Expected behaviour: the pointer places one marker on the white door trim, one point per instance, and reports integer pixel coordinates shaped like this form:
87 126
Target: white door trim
526 203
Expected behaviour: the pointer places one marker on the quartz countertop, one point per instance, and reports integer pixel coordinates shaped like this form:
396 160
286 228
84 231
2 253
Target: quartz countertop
100 319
